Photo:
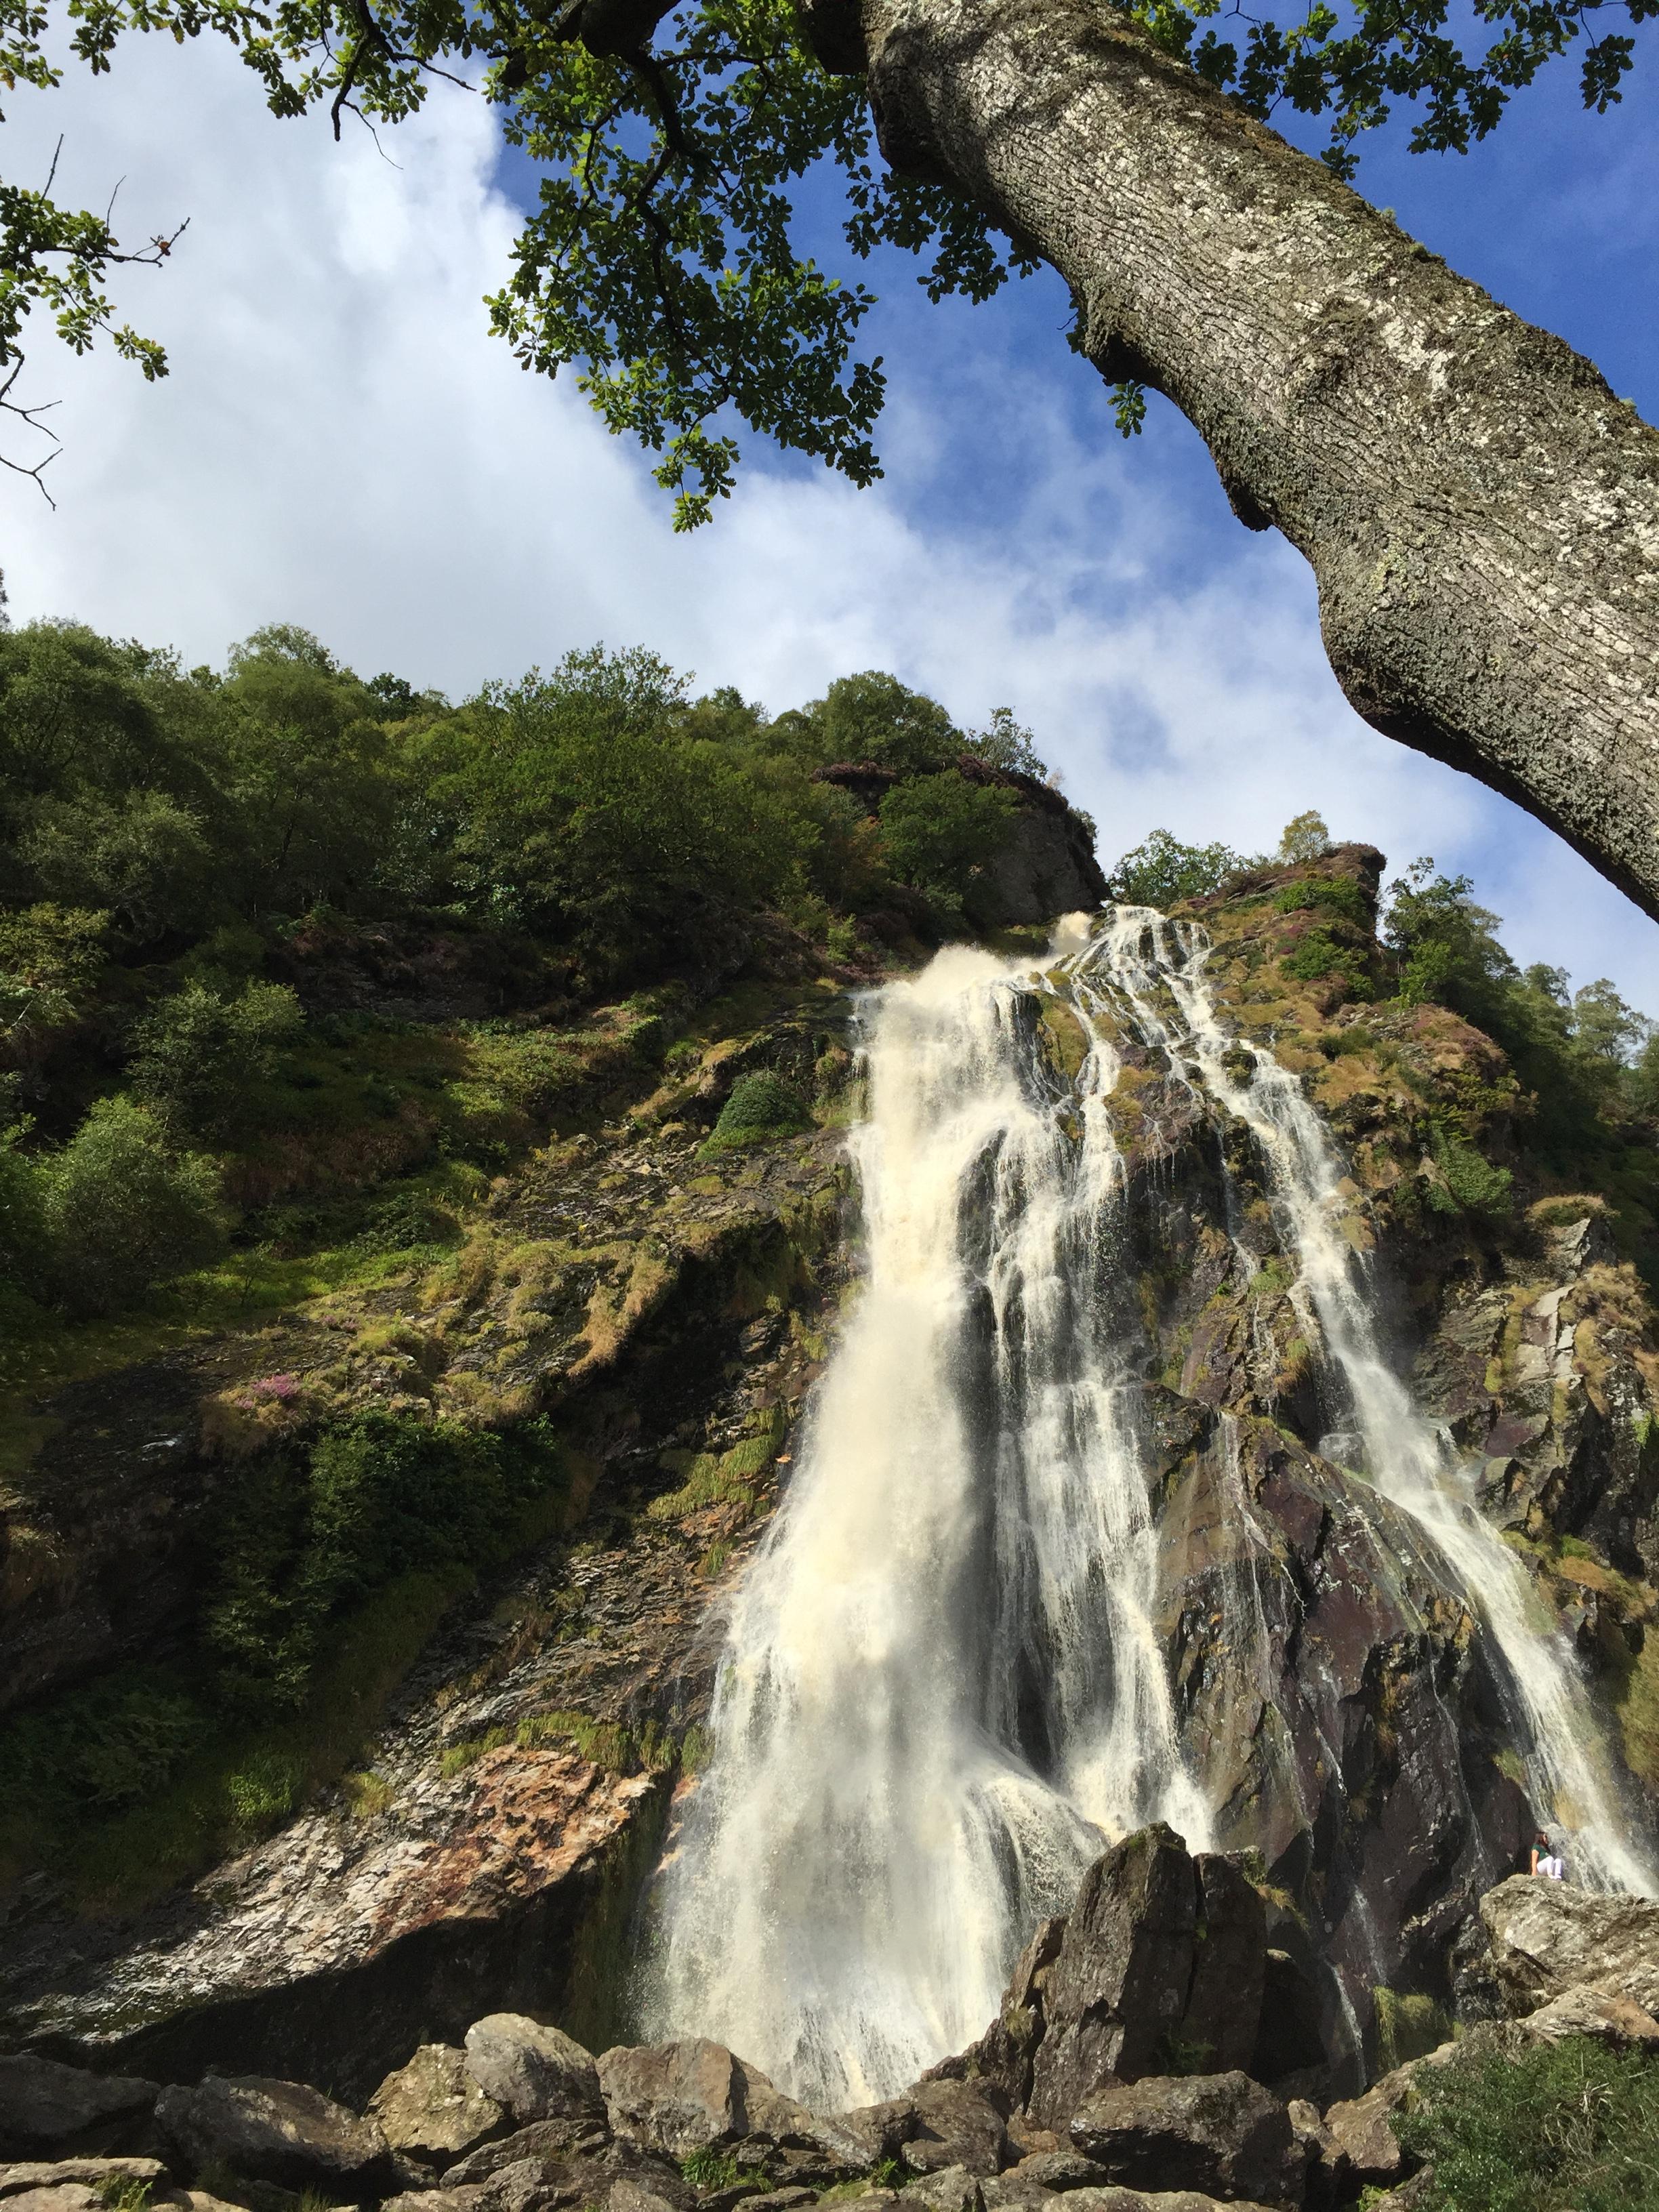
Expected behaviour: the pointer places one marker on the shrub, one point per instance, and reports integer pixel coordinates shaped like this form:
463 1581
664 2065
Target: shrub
123 1211
1471 1183
1319 955
22 1213
1572 2124
198 1051
101 1749
761 1105
1339 895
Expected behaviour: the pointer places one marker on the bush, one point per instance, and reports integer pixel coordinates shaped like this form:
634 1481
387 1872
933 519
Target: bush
101 1749
122 1212
1319 955
1575 2124
761 1105
22 1214
1339 895
198 1051
1472 1184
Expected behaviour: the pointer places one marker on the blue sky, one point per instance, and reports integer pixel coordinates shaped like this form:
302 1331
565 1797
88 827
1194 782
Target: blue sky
340 444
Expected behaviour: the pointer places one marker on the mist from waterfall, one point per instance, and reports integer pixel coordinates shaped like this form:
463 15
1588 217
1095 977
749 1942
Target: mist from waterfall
942 1690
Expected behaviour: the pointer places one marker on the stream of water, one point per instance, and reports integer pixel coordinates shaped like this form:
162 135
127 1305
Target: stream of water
942 1690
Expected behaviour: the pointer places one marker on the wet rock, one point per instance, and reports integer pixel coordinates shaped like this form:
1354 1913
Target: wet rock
675 2098
1118 1987
434 2108
530 2184
45 2107
1361 2150
1136 2200
1608 2015
1289 2043
1549 1937
1218 2133
276 2131
536 2073
434 2200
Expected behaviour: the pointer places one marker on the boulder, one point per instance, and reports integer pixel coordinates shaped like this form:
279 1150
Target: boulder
47 2107
433 2108
1608 2015
949 2124
1056 2171
1222 2013
1119 1986
536 2073
1549 1937
57 2197
275 2131
950 2189
432 2200
628 2196
95 2172
541 2139
1361 2150
1289 2043
674 2098
1136 2200
1221 2134
530 2184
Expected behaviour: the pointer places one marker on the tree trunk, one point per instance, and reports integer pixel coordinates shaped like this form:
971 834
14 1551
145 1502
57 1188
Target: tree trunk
1481 514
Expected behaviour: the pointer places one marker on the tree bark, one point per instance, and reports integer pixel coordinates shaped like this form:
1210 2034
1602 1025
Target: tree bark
1480 512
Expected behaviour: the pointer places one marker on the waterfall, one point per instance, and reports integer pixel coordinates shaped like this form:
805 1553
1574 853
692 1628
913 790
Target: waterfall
942 1692
1568 1779
942 1689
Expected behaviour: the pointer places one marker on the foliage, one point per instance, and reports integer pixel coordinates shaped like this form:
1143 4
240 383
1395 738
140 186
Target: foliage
196 1051
1304 837
938 831
665 258
1470 1181
183 852
1161 870
761 1105
1571 2122
102 1749
120 1210
300 1537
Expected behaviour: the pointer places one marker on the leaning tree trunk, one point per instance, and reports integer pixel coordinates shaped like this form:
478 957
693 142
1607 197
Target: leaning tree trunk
1481 513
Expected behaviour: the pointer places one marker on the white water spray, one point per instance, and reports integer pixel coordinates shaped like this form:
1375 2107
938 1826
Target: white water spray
1570 1780
942 1689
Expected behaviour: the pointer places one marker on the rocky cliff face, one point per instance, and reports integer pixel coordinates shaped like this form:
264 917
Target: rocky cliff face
475 1835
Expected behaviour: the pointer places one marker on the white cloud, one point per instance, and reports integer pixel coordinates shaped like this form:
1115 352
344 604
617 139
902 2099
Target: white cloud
340 444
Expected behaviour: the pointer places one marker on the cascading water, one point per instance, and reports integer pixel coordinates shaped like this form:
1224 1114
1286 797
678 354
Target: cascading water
1136 952
942 1687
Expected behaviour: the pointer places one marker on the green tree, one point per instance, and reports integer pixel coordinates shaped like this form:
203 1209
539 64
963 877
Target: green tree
1161 870
873 717
666 259
940 831
1005 743
123 1211
1304 837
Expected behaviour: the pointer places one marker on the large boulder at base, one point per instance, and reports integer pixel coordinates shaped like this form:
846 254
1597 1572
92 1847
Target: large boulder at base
57 2197
1132 1988
433 2109
1549 1937
935 2128
1222 2134
1222 2013
676 2098
46 2107
536 2073
276 2131
1154 2199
